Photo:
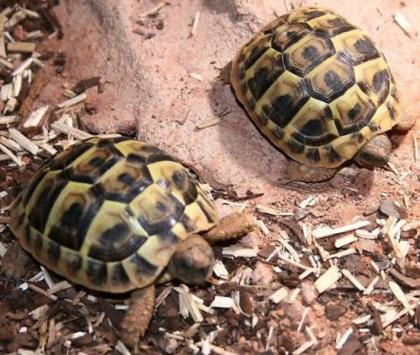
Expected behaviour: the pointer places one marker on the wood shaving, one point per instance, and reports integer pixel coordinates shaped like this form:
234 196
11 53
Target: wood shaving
23 141
238 252
400 296
327 279
73 101
187 302
63 128
368 290
343 339
222 302
121 348
324 232
36 117
220 270
12 156
195 23
348 239
208 124
352 279
155 10
279 295
403 23
272 211
59 286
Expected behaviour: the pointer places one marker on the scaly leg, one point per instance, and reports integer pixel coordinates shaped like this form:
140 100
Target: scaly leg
138 316
231 227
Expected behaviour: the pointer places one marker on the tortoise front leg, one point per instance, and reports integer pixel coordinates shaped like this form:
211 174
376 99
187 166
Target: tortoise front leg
374 153
138 316
231 227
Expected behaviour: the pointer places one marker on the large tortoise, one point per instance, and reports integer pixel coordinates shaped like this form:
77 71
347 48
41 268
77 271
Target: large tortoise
117 215
320 90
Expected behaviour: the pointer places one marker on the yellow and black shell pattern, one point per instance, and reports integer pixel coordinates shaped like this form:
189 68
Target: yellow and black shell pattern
108 213
316 86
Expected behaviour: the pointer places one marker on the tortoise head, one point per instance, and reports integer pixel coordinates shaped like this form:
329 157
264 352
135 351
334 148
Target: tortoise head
192 261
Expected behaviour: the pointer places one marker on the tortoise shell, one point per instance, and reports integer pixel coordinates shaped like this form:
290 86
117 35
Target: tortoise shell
316 86
107 213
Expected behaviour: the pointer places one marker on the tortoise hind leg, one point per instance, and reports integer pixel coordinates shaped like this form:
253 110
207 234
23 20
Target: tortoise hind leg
231 227
138 316
224 75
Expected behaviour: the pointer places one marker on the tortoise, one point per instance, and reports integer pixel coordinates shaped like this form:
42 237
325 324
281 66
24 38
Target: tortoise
119 215
320 90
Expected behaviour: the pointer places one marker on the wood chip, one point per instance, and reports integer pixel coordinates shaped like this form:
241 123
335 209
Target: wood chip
121 348
208 124
310 201
400 296
73 101
6 120
403 23
187 301
37 313
361 233
353 279
327 279
63 128
362 319
220 270
196 76
342 254
302 319
155 10
368 290
59 286
6 64
36 117
279 295
21 47
34 34
390 318
11 144
42 292
323 232
348 239
2 43
303 348
272 211
237 252
13 157
216 349
23 141
343 339
195 23
222 302
162 296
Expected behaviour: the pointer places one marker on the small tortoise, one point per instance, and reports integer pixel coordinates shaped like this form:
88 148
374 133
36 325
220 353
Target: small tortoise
117 215
320 90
